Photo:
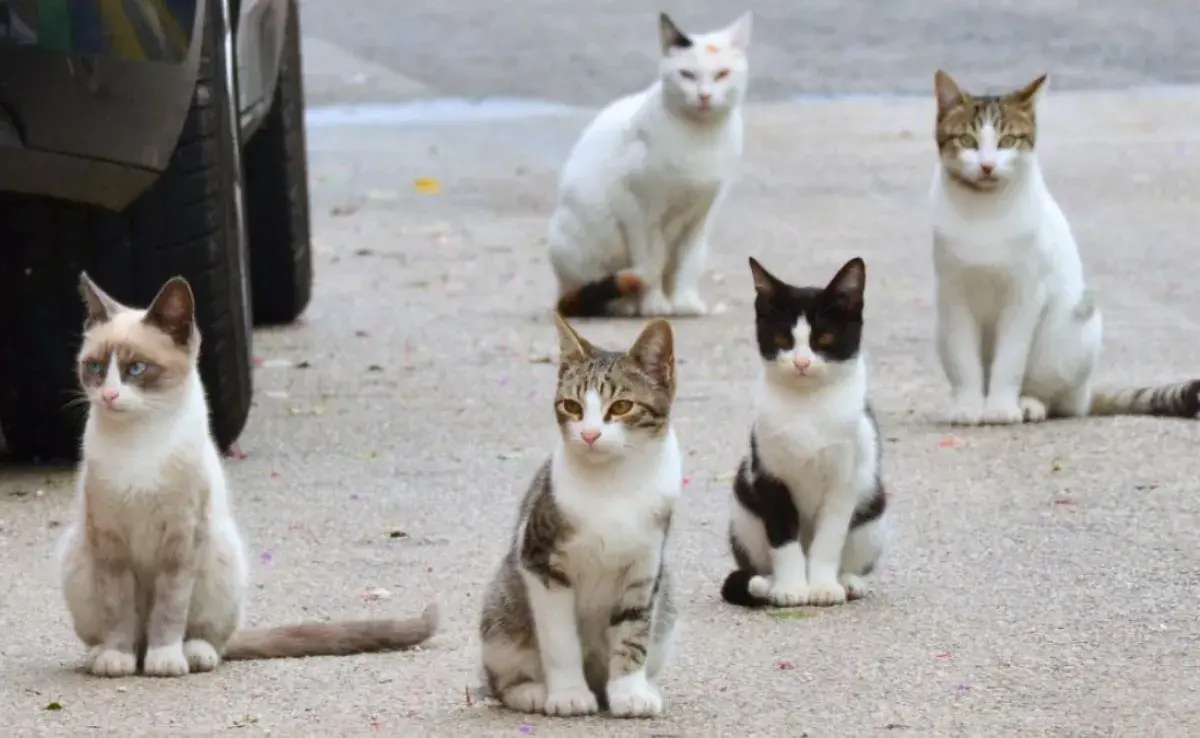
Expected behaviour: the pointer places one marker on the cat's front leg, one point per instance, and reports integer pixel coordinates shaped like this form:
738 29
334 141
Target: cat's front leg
168 617
116 595
1014 337
691 257
959 349
832 525
630 693
773 506
552 603
647 256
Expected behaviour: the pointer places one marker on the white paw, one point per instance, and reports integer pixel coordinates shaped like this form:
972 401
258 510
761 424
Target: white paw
1002 412
109 662
572 701
1032 409
526 697
201 656
856 586
654 302
624 307
166 661
779 594
965 411
689 303
633 696
826 593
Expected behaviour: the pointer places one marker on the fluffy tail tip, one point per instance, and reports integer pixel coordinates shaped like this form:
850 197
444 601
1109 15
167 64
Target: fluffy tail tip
736 590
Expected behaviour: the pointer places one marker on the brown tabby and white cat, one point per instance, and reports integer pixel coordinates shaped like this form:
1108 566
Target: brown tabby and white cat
153 568
580 612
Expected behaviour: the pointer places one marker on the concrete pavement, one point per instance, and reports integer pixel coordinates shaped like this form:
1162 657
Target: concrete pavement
1044 579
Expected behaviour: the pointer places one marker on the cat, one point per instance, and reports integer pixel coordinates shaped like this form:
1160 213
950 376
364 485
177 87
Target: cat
1018 330
810 516
154 569
580 614
637 195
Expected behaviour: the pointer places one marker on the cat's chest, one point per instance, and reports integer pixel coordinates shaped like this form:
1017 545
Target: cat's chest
809 455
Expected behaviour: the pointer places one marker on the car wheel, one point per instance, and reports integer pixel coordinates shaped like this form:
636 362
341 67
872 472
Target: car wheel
189 223
277 220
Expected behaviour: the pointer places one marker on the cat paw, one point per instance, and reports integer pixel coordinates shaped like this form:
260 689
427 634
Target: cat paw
856 586
526 697
826 594
654 302
624 307
166 661
633 696
109 662
792 594
689 303
572 701
1002 412
966 411
1032 409
201 656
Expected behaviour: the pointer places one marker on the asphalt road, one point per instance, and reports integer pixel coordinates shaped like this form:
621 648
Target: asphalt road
588 51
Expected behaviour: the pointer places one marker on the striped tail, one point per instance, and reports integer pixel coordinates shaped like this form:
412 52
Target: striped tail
592 299
1177 400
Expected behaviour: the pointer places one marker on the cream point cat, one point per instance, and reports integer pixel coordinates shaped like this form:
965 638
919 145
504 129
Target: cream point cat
153 566
638 192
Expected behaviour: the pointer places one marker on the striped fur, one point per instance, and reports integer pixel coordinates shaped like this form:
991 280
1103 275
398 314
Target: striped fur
1176 400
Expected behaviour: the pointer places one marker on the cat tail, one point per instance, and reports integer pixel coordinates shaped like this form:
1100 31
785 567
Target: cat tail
332 639
736 590
592 299
1176 400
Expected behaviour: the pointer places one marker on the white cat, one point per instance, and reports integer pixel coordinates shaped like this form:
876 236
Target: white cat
1018 331
637 194
153 566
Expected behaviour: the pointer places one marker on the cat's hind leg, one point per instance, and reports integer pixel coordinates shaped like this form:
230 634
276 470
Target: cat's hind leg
514 675
1062 362
217 596
864 546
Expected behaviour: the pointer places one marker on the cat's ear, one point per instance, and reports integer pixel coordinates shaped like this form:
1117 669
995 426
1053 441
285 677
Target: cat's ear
739 31
173 311
947 92
765 283
98 305
848 284
670 35
1028 94
654 351
571 345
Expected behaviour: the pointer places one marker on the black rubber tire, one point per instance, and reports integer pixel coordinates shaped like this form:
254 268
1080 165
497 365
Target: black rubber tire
277 214
187 223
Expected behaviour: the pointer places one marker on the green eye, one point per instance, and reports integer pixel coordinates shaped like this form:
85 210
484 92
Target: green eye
967 141
1008 142
92 366
136 368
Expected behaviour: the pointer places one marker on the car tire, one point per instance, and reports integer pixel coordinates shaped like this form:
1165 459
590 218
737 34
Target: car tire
187 223
277 219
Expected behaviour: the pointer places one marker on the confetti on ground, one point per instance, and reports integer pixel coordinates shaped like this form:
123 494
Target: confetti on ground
687 481
784 665
509 455
540 359
1056 466
790 614
235 452
366 455
54 706
1064 502
960 689
427 186
276 474
375 594
245 721
277 394
257 362
267 558
525 729
948 442
943 655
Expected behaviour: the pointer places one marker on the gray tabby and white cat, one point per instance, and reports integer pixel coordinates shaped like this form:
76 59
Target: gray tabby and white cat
153 567
637 194
1018 331
579 614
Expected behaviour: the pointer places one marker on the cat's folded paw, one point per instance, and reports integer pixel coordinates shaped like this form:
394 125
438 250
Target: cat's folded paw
824 594
1002 412
654 302
1033 409
572 701
166 661
633 696
201 656
689 303
779 594
525 697
109 662
856 586
965 411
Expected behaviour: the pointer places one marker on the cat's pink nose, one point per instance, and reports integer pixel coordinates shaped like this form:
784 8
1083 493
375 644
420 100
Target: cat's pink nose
802 363
109 394
987 167
589 437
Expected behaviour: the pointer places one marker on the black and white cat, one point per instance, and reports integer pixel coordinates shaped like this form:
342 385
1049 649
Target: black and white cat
809 512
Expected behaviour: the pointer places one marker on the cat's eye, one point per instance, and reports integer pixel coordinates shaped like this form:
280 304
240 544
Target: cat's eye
1007 142
619 408
967 141
687 74
93 366
136 368
722 74
570 407
825 340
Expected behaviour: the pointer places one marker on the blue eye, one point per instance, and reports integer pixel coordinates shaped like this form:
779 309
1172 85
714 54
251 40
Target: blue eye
136 368
93 366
